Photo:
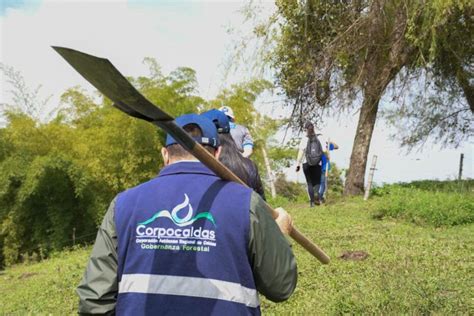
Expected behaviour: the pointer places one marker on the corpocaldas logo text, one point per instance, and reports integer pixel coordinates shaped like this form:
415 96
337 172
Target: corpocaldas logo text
182 237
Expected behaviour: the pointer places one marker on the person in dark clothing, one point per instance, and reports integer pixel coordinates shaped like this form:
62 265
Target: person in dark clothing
311 157
242 167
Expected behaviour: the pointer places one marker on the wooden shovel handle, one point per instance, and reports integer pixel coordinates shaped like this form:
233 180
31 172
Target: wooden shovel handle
311 247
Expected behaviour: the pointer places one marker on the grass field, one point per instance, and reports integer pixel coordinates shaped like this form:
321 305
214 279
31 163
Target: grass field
402 267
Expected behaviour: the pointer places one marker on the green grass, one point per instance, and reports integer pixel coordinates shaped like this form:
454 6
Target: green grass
448 204
457 186
47 287
410 269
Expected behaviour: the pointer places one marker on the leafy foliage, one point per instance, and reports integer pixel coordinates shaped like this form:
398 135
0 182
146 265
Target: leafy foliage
289 190
335 183
58 177
54 197
25 100
445 119
326 52
441 107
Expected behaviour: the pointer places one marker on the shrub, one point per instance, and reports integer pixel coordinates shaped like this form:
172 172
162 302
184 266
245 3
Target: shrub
289 190
425 207
442 186
459 186
335 183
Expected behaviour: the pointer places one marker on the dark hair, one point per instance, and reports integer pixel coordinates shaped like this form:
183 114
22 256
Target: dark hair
242 167
177 151
309 128
231 157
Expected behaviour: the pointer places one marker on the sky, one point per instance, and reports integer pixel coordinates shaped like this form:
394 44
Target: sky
180 33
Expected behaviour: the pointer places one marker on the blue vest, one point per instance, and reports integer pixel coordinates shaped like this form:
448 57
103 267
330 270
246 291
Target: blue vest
182 245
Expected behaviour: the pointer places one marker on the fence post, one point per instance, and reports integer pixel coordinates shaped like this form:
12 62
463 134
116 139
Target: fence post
461 160
371 176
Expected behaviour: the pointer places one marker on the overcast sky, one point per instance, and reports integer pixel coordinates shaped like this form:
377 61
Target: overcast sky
177 33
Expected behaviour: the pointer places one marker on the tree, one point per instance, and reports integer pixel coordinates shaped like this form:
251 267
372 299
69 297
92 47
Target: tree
445 68
334 55
25 100
43 192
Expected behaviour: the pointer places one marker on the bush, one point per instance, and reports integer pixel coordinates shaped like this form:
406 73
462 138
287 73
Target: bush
425 207
335 183
442 186
41 208
459 186
292 191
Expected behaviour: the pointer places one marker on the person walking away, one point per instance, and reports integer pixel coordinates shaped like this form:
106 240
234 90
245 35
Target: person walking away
230 156
188 242
310 153
240 133
325 167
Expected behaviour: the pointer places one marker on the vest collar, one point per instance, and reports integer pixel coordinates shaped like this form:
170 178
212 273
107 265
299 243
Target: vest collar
186 167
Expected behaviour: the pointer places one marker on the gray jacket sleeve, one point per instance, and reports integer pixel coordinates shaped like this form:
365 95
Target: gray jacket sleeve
247 138
271 257
98 288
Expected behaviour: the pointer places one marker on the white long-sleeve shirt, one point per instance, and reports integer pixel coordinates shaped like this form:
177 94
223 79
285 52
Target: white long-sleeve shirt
301 157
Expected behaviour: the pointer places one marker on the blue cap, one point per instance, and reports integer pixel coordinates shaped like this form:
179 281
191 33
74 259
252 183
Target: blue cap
219 119
208 130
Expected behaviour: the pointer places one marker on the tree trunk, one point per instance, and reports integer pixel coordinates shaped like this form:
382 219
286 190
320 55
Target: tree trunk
468 89
355 175
380 69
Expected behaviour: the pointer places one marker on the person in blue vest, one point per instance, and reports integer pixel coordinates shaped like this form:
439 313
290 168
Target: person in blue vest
188 243
325 167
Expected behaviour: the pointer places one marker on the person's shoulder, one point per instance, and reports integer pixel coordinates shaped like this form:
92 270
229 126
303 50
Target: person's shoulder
130 192
235 186
242 127
228 188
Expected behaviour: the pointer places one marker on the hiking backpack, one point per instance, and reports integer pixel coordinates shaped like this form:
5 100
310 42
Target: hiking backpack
314 151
